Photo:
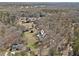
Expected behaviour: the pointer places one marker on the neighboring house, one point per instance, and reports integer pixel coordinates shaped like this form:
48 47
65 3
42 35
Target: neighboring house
16 47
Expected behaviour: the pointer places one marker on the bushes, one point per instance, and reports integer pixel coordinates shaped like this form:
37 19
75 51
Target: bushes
76 42
7 18
54 52
76 46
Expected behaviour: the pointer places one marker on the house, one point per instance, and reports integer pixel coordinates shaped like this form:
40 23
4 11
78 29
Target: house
23 19
31 19
16 47
41 35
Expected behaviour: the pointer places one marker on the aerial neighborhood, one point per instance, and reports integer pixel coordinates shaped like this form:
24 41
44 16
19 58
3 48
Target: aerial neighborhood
39 29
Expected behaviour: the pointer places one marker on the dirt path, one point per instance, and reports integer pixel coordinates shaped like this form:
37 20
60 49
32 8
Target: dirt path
6 53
